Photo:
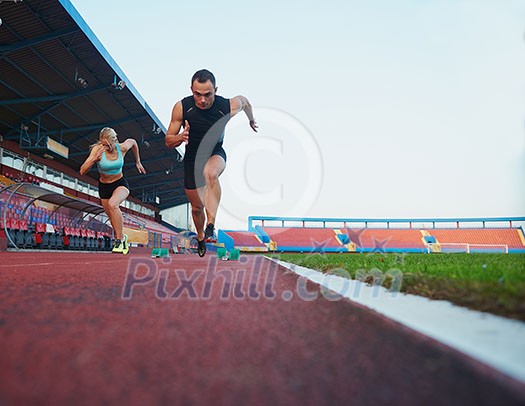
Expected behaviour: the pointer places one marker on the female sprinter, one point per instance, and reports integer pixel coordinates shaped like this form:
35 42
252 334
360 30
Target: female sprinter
113 188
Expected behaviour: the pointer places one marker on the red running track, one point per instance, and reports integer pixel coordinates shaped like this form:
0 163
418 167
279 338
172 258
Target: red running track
184 336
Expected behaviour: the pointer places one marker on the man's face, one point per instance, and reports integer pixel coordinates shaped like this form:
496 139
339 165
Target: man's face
203 93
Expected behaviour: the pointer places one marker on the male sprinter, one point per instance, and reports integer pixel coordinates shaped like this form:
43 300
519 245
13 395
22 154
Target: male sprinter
203 118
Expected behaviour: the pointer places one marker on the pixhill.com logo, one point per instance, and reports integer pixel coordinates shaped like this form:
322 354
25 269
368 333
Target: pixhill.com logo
251 278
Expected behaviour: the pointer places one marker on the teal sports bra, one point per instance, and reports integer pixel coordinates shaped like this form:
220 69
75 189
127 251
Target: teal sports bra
111 167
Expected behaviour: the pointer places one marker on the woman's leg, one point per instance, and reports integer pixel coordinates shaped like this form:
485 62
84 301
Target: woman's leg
112 209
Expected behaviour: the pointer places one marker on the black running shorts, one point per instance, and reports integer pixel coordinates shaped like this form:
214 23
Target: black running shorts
193 168
105 190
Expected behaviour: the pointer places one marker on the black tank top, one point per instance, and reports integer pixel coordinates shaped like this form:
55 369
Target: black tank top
206 126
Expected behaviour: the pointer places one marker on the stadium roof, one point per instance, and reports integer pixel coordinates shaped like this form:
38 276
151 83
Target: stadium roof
58 81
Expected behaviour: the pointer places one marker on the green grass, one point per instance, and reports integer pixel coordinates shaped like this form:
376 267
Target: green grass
492 283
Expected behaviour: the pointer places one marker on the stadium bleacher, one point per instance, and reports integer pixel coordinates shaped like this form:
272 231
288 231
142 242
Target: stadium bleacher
35 218
304 239
410 238
247 241
511 239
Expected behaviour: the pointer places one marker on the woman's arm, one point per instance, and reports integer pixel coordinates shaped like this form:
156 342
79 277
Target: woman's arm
93 158
130 143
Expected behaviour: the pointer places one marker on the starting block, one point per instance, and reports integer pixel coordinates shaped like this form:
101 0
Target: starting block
159 253
225 255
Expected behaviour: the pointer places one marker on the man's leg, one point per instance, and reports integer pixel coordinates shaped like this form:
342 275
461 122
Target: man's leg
212 197
197 210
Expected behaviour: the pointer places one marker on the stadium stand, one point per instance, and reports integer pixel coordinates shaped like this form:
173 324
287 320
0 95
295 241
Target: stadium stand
59 75
370 239
378 235
247 241
484 239
32 217
304 239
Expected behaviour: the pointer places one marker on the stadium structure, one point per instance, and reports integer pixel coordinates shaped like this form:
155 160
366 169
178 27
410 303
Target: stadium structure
59 86
340 235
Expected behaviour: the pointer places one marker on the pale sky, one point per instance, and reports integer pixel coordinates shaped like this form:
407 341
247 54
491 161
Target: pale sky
384 109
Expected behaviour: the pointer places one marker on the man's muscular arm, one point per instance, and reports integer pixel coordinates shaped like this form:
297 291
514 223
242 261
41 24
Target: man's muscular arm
173 138
241 103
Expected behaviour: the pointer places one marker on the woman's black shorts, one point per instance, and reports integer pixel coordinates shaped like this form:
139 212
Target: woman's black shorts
194 167
105 190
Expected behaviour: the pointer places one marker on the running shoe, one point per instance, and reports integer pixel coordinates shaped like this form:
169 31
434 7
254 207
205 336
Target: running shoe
125 244
209 233
118 247
201 248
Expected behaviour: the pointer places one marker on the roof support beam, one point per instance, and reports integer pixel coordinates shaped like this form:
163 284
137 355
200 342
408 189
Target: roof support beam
97 126
11 134
5 49
157 159
147 175
53 97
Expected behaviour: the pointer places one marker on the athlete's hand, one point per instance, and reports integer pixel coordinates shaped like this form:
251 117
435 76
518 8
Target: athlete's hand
140 168
185 134
98 150
254 125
